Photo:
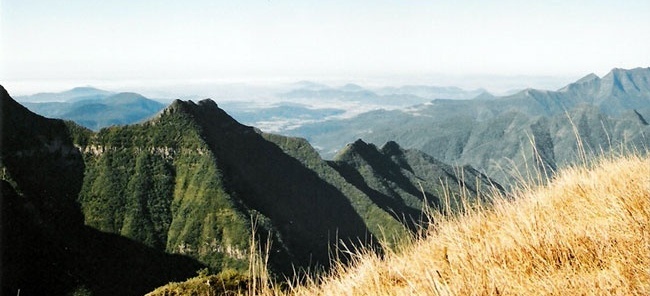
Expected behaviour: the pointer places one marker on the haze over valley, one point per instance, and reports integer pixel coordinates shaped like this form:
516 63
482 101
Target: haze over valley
185 178
324 147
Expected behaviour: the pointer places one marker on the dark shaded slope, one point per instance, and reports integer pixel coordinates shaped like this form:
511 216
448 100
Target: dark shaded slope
39 261
399 180
41 160
189 181
46 249
366 168
380 223
310 213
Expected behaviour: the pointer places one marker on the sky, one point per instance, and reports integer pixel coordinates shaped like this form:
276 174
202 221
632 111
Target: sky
45 44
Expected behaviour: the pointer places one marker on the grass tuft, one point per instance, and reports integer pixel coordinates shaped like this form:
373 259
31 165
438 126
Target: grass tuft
587 232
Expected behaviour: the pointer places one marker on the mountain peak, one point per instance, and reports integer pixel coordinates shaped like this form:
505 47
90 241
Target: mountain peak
352 150
358 146
352 87
10 109
637 70
590 77
205 113
123 94
176 106
125 97
485 96
617 82
180 105
392 148
582 83
208 103
633 81
85 89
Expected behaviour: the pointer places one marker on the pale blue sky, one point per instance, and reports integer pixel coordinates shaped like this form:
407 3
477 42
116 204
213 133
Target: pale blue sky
89 40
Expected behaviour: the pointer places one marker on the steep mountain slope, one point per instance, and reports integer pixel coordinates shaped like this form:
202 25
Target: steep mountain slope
221 173
193 181
501 136
95 108
400 181
46 249
206 163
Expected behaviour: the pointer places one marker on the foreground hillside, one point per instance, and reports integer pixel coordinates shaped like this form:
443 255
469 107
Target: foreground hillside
586 233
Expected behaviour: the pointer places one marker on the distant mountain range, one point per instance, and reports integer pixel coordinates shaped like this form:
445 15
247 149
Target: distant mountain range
502 135
433 92
72 95
129 208
305 102
278 117
388 96
309 103
93 108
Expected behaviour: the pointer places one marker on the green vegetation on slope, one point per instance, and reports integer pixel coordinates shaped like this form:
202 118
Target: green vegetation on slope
189 182
45 247
157 183
500 137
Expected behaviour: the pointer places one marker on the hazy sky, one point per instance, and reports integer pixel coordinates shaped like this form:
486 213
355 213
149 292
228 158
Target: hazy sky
258 40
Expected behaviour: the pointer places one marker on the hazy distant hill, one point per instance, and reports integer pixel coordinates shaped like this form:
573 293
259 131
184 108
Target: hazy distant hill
75 94
389 96
103 211
432 92
277 117
495 135
94 108
306 102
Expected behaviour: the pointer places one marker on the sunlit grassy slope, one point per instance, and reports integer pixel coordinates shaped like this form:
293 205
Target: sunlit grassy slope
586 233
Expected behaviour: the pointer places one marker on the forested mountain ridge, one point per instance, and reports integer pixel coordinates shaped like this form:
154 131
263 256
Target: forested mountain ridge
46 248
504 135
190 181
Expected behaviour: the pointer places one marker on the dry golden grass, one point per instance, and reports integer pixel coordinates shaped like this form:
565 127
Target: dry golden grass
586 233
